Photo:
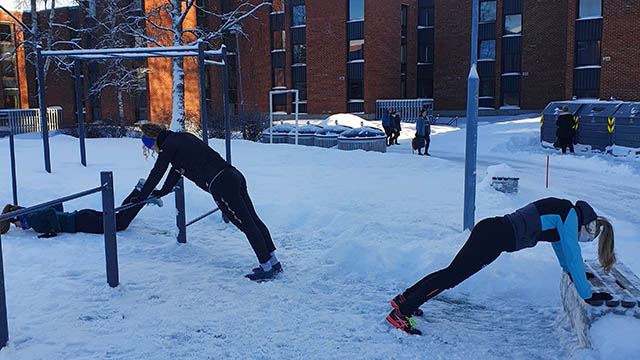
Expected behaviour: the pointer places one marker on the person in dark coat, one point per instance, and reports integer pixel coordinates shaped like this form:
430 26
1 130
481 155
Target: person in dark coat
387 125
51 221
565 132
195 160
557 221
395 121
423 131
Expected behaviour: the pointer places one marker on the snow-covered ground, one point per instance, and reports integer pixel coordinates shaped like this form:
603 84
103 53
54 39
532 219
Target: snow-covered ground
353 229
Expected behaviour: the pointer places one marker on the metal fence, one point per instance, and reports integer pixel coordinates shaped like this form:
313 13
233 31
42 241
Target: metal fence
409 109
24 121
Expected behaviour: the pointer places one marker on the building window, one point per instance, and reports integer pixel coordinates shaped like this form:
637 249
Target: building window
302 90
278 40
356 89
425 16
425 53
587 53
278 78
589 8
299 15
512 24
487 50
511 99
356 50
403 16
300 54
356 10
487 87
487 11
510 62
6 33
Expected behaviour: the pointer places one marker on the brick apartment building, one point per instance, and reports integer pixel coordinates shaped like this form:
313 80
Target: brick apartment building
343 55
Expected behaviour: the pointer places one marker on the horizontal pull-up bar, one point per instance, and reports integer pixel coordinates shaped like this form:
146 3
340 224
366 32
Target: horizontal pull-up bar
51 203
201 217
118 50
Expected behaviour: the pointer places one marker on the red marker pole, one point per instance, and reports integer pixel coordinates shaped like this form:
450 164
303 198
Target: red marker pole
547 178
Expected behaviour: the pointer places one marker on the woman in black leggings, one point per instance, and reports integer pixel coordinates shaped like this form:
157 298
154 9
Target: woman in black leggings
195 160
551 220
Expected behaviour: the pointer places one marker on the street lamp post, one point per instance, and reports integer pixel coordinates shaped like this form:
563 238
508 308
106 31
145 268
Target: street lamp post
472 126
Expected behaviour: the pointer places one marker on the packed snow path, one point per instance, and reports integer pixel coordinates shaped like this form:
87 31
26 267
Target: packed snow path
352 228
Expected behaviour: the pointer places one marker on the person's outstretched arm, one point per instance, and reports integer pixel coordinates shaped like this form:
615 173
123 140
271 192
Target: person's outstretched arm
160 167
572 254
169 183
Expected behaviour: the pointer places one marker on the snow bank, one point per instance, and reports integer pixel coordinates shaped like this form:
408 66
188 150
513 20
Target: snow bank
350 120
616 337
352 229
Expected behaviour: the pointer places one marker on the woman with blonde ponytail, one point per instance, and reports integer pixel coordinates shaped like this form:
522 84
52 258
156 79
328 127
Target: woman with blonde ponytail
557 221
195 160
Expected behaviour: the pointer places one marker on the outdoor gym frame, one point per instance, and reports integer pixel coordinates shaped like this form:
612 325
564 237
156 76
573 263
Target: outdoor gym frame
12 153
297 102
199 50
109 212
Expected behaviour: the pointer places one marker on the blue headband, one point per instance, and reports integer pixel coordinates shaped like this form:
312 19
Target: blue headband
148 142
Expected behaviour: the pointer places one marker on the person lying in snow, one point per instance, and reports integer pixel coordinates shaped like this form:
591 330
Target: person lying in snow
51 221
194 159
552 220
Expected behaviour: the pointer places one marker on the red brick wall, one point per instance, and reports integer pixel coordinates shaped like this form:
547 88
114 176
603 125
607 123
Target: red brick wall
545 53
382 52
620 77
451 54
21 68
412 48
570 44
327 57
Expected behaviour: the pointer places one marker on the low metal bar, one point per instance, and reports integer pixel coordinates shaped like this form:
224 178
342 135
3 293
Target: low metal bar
4 325
12 151
132 205
77 71
202 217
49 203
181 216
109 224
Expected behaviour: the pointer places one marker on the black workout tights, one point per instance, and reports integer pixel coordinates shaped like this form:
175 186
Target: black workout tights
488 239
230 193
90 221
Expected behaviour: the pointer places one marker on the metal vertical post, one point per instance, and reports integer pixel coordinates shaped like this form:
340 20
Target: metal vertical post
109 224
239 71
77 73
44 127
472 126
297 100
204 126
4 326
181 220
225 99
12 153
270 118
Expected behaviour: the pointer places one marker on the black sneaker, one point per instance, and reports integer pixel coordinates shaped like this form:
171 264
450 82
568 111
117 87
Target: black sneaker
402 322
261 275
399 299
277 267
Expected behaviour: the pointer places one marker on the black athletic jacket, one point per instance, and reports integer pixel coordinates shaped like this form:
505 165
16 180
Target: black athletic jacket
188 156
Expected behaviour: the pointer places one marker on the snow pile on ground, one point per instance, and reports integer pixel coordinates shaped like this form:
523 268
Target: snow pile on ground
353 229
616 337
350 120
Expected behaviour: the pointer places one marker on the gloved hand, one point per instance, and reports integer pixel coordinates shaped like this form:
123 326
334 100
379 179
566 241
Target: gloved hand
598 297
47 235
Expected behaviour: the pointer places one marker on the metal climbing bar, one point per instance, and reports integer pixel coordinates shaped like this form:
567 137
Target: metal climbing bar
202 216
